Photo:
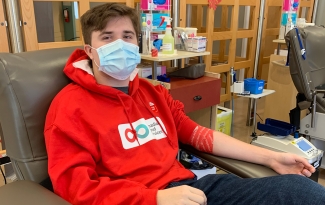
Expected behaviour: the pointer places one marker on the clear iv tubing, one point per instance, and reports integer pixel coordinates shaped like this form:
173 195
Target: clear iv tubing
232 117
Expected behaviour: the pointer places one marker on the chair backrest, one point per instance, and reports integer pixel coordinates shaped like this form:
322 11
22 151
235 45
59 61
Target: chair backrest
312 68
28 83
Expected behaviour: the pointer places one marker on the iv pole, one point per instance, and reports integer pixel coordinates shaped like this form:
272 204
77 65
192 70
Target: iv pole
252 103
175 23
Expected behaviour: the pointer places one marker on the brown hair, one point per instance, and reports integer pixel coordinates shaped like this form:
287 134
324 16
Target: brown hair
97 18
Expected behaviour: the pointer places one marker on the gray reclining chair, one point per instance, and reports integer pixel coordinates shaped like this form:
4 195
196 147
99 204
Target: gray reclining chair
313 66
28 83
308 75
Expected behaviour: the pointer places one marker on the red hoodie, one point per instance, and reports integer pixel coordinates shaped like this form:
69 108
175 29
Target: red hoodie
94 157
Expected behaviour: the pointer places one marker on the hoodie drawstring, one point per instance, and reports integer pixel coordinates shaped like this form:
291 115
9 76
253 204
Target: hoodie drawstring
127 115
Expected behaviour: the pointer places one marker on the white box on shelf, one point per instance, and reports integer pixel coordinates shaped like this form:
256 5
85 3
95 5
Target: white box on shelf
189 43
199 44
237 87
146 70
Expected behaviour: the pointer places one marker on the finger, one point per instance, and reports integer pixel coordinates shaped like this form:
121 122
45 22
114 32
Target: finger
197 199
306 172
199 193
311 169
306 164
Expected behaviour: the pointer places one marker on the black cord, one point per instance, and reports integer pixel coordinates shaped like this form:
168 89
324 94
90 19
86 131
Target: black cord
4 177
260 117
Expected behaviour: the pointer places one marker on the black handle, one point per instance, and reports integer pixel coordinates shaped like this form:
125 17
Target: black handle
197 98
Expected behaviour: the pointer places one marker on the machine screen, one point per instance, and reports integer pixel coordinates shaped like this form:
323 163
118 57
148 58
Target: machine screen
303 145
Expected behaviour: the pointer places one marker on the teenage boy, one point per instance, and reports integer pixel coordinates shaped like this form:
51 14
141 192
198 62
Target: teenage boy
112 138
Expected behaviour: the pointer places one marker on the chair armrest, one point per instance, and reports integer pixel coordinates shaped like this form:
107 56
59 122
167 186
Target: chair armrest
28 193
240 168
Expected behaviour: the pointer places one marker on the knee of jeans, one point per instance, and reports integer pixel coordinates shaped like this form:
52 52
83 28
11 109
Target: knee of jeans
303 188
297 179
300 181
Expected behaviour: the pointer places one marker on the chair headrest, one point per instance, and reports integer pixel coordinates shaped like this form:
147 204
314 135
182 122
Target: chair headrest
311 67
28 83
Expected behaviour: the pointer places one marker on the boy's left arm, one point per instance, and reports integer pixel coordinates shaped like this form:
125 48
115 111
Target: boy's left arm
220 144
283 163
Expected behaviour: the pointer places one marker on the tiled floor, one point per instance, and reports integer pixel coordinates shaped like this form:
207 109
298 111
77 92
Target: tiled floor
241 131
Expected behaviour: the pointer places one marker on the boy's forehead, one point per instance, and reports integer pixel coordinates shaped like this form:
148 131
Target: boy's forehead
119 23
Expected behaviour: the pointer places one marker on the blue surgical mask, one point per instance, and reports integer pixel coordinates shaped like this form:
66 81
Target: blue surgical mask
118 59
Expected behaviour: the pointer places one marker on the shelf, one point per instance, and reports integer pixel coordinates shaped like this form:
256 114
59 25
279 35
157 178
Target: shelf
256 96
179 55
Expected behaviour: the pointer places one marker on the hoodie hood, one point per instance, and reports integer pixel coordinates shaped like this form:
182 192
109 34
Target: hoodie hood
79 71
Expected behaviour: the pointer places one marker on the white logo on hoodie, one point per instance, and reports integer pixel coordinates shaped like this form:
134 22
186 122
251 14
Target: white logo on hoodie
146 130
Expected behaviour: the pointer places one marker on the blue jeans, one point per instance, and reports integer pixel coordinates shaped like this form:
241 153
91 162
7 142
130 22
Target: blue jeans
283 189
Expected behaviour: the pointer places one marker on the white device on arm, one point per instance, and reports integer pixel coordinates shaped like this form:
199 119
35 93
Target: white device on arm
299 146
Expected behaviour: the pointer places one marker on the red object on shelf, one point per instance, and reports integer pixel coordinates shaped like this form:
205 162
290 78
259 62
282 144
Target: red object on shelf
154 52
213 4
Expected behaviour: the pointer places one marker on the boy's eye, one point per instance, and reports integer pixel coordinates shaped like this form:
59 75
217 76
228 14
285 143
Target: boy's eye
128 37
106 37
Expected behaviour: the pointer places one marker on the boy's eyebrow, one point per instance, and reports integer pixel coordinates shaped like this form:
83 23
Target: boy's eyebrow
105 32
128 31
111 32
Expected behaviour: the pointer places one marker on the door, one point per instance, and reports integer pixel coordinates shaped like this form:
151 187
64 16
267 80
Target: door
43 22
55 23
4 40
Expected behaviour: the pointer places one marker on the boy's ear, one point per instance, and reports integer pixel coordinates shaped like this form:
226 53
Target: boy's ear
88 51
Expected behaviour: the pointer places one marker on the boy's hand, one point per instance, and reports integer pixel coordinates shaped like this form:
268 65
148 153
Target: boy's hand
286 163
181 195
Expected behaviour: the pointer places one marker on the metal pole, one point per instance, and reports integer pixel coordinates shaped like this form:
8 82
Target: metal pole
14 26
175 17
188 15
313 114
315 11
249 118
257 56
175 22
188 24
254 119
259 36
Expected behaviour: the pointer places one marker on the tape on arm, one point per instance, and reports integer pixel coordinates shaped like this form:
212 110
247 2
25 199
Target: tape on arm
202 139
